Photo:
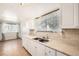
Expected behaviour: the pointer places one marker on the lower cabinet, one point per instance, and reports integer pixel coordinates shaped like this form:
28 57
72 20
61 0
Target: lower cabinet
60 54
49 52
33 48
29 46
23 42
37 49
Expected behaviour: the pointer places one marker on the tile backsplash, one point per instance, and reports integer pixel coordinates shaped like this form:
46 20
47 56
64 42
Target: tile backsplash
71 37
73 34
66 34
50 35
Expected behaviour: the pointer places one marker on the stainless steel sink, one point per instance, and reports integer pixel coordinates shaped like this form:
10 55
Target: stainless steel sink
41 39
36 38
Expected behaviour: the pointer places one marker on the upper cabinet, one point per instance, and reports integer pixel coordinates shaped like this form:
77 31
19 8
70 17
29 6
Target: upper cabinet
69 12
65 17
76 15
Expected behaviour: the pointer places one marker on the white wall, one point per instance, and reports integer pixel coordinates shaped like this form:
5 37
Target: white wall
8 12
31 11
28 10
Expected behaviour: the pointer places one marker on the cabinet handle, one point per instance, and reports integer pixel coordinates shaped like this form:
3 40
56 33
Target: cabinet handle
49 51
35 47
45 54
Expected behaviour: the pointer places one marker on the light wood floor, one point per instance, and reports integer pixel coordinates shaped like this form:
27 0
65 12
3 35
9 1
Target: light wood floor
12 48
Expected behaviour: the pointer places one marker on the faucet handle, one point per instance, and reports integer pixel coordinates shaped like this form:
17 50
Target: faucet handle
47 37
43 37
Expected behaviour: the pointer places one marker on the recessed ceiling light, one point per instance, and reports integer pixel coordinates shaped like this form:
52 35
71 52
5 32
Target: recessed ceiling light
21 4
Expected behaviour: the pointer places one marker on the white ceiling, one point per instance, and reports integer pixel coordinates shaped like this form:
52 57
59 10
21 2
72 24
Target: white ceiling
14 12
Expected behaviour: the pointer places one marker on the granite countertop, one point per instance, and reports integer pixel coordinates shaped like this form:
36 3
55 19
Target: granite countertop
61 45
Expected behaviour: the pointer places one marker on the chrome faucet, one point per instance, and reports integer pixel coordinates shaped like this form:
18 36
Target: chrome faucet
46 37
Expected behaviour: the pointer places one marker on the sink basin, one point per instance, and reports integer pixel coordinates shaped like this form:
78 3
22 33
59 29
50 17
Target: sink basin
37 38
43 40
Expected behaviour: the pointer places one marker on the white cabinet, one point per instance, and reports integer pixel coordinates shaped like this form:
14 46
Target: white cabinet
76 15
69 15
38 49
23 41
49 52
34 50
29 45
32 47
0 36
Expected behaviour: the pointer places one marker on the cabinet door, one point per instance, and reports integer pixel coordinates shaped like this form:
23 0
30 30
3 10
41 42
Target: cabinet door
33 48
60 54
29 45
0 36
38 49
76 15
67 15
25 44
49 52
24 41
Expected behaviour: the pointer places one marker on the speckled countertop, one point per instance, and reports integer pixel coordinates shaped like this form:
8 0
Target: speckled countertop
68 44
62 46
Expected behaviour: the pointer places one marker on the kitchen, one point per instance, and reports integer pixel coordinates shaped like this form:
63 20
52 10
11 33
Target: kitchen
44 29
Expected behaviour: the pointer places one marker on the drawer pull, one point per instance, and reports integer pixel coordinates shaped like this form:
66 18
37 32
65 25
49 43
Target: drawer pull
35 47
49 51
45 54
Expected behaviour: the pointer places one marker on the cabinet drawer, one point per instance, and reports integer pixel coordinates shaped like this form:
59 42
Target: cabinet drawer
23 42
38 49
